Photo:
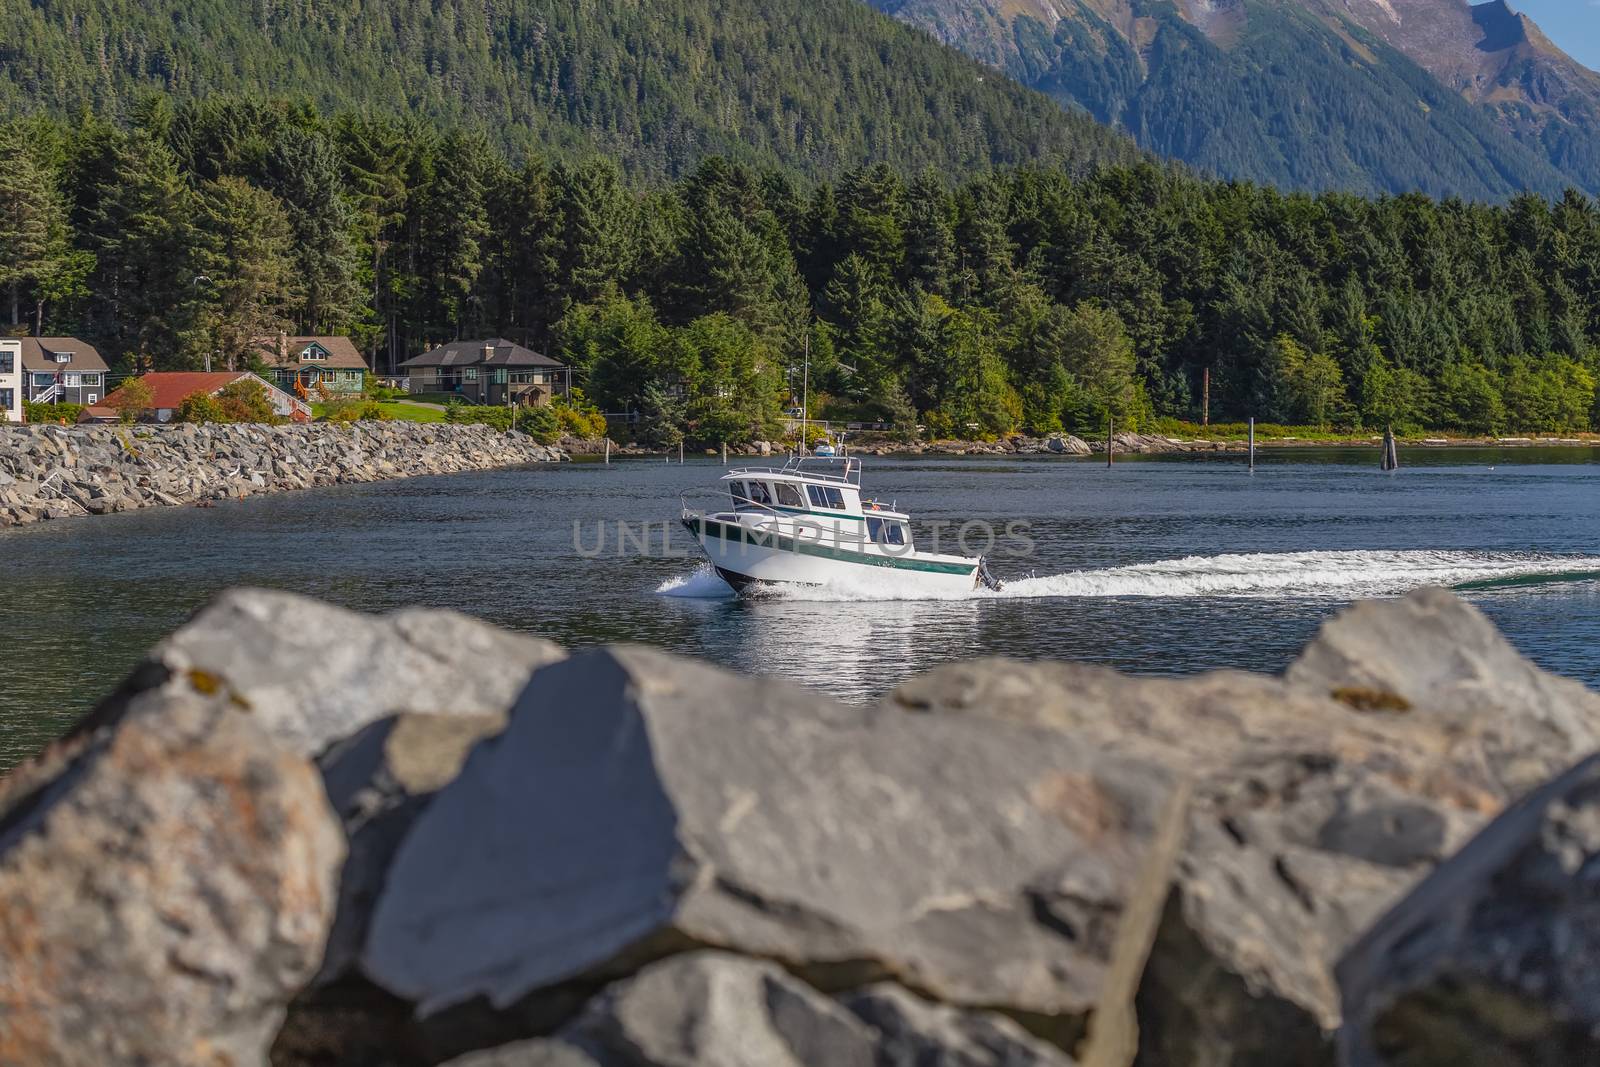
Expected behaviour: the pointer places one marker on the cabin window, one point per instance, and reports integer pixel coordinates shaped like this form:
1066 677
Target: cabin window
825 496
788 495
736 490
884 532
759 494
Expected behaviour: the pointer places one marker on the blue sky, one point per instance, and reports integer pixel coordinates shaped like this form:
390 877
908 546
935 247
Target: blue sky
1572 24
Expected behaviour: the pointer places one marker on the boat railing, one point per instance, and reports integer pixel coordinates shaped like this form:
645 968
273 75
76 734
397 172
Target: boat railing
740 503
795 468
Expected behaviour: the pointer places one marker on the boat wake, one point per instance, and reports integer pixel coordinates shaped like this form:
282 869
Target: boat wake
1346 575
1307 575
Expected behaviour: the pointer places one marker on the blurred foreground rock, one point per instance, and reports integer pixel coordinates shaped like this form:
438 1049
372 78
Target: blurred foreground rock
1495 957
438 842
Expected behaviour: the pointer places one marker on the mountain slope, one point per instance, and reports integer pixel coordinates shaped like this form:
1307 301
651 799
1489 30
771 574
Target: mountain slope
1368 95
818 86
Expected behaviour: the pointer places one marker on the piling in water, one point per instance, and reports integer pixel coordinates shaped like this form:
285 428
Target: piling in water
1391 450
1252 444
1111 440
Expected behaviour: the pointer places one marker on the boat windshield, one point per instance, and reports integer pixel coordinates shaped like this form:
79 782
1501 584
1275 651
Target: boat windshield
825 496
885 531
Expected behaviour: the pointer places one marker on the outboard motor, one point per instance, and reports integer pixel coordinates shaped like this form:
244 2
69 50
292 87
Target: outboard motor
986 577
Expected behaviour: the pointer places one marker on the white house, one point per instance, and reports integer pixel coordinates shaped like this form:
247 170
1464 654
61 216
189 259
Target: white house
11 381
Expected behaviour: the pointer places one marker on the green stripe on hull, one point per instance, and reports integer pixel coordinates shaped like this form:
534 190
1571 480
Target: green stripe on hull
729 531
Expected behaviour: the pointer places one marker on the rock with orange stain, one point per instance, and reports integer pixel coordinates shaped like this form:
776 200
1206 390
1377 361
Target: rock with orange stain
314 674
166 885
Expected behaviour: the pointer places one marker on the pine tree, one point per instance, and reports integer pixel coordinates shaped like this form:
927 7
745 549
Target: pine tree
303 171
245 269
32 219
138 228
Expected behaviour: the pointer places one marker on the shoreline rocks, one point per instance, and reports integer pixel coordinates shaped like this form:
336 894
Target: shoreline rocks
440 843
55 472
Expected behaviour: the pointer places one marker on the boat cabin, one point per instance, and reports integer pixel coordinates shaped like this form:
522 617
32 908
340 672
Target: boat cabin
804 492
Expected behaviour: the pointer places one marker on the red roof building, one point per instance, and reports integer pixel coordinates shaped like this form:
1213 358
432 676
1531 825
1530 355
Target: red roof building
169 388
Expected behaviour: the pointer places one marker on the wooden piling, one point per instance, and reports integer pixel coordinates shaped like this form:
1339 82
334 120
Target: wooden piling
1391 450
1252 444
608 450
724 453
1111 439
680 453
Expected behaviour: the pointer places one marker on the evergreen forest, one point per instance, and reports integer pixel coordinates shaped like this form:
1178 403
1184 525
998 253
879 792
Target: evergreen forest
1031 298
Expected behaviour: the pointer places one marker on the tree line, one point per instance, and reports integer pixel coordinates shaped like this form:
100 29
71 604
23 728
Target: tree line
1030 299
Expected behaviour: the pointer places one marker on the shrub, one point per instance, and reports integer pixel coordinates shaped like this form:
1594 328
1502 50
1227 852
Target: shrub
134 400
356 411
200 407
246 401
67 413
543 424
487 414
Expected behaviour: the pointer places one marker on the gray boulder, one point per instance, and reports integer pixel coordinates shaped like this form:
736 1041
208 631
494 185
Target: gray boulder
712 1009
639 804
166 884
699 1009
1321 799
911 1032
1451 668
378 782
1495 957
312 673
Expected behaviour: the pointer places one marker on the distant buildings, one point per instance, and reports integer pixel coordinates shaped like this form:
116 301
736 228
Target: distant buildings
493 371
169 389
11 381
300 365
62 369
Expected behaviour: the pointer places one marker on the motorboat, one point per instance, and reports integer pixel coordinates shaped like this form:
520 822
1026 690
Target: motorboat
807 523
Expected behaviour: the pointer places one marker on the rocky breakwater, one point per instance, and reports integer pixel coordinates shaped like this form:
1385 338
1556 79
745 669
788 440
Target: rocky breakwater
52 472
302 836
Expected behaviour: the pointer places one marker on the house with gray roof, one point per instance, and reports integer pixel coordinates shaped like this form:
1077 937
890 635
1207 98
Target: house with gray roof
63 370
491 371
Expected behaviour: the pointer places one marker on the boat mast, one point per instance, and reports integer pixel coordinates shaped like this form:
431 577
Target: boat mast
805 386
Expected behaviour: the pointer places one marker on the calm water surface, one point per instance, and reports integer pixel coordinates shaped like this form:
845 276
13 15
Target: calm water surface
1159 565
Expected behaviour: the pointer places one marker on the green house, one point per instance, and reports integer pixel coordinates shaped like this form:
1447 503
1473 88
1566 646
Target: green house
307 367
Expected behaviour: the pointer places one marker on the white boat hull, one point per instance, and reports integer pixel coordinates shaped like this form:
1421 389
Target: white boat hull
749 557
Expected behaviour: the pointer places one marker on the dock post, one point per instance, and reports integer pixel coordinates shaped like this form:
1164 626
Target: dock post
724 453
1391 450
680 453
608 450
1111 439
1252 444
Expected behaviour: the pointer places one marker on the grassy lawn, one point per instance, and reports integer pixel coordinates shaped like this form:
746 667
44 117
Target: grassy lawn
434 398
398 410
404 412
